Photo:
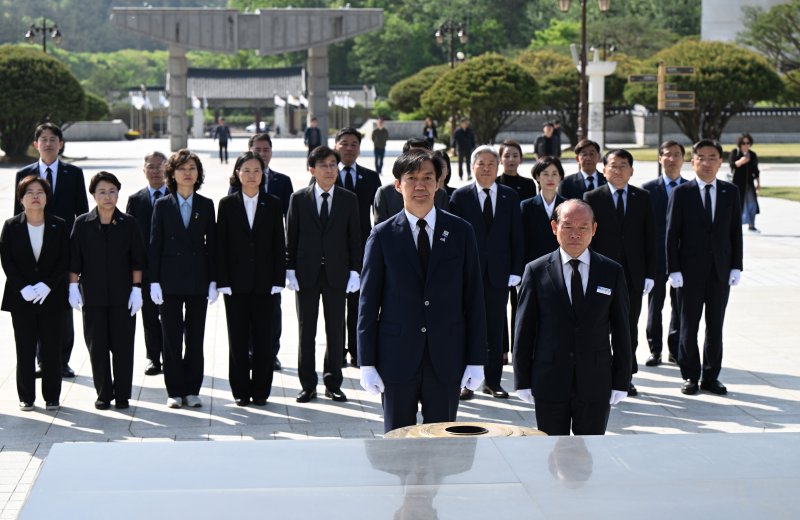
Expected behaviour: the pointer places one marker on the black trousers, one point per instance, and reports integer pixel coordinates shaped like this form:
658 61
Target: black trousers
351 325
333 303
380 153
464 157
635 298
245 315
277 324
655 330
183 317
66 339
582 417
695 295
109 334
439 400
36 329
223 151
496 301
153 335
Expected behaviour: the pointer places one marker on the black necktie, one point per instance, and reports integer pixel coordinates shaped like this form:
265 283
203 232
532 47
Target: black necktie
576 286
620 206
591 183
672 184
423 246
348 180
709 213
488 216
323 212
49 176
156 196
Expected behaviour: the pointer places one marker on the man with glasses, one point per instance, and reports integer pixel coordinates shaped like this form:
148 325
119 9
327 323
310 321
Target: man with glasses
587 154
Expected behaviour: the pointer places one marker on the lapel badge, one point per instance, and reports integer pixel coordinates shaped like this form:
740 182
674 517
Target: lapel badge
444 236
196 215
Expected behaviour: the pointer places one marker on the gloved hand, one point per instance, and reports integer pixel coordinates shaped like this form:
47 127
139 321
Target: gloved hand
353 283
225 290
525 395
473 377
291 280
28 293
735 277
276 289
676 280
617 396
649 283
371 381
514 280
75 298
212 293
135 300
42 290
155 293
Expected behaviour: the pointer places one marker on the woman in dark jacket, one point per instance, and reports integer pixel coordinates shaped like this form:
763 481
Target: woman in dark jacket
34 249
539 211
744 167
106 262
429 132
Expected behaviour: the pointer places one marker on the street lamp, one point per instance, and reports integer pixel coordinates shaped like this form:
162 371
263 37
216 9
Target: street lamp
583 107
451 30
53 31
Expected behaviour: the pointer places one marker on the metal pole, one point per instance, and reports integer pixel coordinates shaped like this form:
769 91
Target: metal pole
582 105
44 35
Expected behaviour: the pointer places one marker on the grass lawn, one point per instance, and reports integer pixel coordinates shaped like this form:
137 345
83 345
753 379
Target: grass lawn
781 192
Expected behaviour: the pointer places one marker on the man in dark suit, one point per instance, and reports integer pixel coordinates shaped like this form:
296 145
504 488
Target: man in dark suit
670 155
569 301
626 233
704 258
140 207
69 200
323 258
364 183
421 323
587 154
493 210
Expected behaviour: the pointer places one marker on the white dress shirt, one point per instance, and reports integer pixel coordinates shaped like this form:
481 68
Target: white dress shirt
43 172
430 225
318 196
36 234
549 208
595 176
492 194
702 186
250 207
353 173
567 268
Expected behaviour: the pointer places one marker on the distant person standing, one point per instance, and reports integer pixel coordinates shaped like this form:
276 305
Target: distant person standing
312 137
545 145
379 137
744 168
464 143
429 132
222 133
557 137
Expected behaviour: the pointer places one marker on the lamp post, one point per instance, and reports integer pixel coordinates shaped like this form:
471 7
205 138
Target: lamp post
44 30
583 107
448 31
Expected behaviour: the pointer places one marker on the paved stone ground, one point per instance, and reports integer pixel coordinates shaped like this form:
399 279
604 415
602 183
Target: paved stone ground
761 364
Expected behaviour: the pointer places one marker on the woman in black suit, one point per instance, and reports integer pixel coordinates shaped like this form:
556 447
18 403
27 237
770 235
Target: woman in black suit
182 273
538 211
34 249
251 267
747 177
106 262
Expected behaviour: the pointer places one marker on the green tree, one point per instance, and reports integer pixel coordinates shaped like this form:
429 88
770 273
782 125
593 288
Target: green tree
59 98
727 80
405 95
96 108
776 33
634 35
487 89
560 33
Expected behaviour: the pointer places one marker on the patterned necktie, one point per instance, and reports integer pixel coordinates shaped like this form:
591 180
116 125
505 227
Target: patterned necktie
620 206
423 246
348 179
709 213
591 183
323 211
49 176
186 211
488 215
576 286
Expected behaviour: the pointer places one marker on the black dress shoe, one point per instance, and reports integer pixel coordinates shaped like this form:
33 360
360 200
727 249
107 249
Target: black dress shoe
672 359
653 361
306 395
262 401
276 364
52 406
66 371
466 394
496 391
152 369
242 402
632 391
122 405
689 387
715 387
336 395
102 405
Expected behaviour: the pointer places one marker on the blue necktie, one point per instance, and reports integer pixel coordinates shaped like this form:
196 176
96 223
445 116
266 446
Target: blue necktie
186 211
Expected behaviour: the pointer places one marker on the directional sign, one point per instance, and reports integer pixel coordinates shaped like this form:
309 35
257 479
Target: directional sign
680 70
679 105
643 78
679 94
670 86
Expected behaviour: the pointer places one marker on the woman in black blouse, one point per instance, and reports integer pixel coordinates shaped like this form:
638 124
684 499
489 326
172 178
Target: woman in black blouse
510 160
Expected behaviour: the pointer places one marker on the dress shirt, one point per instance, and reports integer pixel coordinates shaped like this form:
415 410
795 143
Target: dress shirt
353 174
584 269
482 196
430 221
318 196
595 176
36 234
549 207
250 207
669 188
188 201
43 172
702 186
162 190
614 195
267 178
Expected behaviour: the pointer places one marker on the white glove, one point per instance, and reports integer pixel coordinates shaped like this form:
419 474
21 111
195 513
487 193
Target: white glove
276 289
473 377
28 293
225 290
42 290
617 396
212 293
291 280
75 299
155 293
353 283
735 276
371 381
135 300
676 280
514 280
525 395
649 283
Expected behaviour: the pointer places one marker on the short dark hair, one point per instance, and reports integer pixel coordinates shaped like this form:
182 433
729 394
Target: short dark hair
509 143
411 161
619 152
155 153
442 156
586 143
702 143
548 123
416 142
321 152
263 136
180 158
348 130
246 156
545 162
562 207
742 137
669 144
48 126
103 176
22 187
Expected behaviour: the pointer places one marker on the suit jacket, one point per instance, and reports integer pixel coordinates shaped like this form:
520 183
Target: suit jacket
631 243
280 186
556 349
105 260
536 230
658 198
367 183
141 209
694 243
573 186
501 250
310 248
389 202
400 313
250 260
182 259
22 268
69 198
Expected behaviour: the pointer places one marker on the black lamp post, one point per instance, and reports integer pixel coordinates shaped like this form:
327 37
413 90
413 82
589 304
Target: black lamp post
44 30
449 31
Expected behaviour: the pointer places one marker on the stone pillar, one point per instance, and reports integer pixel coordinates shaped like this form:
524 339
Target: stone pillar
597 71
318 88
176 91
